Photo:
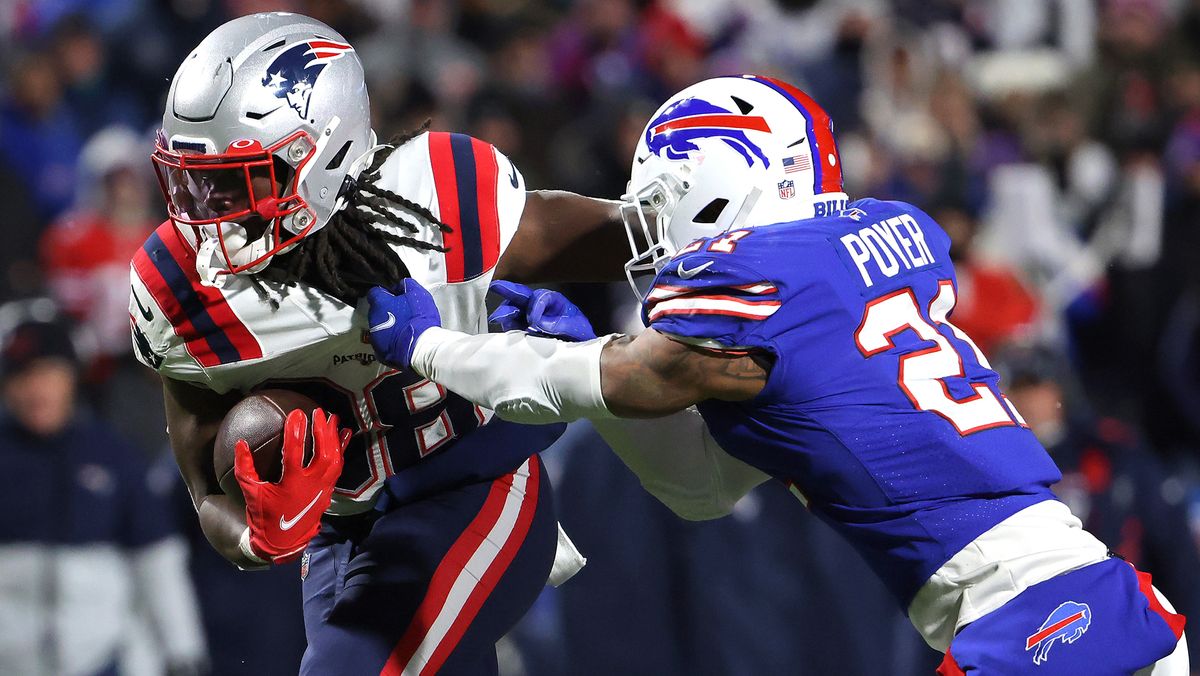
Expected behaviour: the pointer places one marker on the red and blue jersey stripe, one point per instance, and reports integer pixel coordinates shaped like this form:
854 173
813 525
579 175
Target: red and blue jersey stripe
465 173
199 314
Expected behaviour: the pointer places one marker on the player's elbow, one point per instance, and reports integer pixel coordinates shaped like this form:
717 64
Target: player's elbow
636 407
531 411
689 505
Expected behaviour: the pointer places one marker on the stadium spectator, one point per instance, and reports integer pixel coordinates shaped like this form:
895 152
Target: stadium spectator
39 133
93 576
85 253
994 306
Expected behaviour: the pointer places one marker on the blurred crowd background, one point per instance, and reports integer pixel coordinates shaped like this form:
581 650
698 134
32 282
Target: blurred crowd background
1057 141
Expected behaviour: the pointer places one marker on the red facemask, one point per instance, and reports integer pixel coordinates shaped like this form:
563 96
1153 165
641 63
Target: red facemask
247 187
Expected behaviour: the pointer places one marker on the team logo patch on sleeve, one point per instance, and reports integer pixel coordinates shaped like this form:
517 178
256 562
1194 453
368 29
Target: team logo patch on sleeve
293 74
1068 623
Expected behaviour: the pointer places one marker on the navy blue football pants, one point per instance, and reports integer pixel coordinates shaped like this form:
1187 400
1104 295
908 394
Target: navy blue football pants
428 586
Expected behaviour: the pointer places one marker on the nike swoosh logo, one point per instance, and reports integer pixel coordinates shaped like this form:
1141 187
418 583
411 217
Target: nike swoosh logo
512 176
287 524
146 313
385 324
688 274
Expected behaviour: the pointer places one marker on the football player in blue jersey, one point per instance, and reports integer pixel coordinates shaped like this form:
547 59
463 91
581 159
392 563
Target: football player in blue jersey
812 334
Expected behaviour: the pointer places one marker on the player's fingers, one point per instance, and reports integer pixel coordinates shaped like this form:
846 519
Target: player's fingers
243 463
546 306
295 431
411 287
320 423
379 297
517 294
333 454
508 317
329 442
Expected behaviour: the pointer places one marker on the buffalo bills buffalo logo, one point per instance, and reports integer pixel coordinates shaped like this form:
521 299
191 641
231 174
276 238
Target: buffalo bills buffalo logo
1068 623
675 132
293 74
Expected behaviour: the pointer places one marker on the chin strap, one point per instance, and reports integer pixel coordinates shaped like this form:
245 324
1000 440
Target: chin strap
744 212
350 183
210 260
211 269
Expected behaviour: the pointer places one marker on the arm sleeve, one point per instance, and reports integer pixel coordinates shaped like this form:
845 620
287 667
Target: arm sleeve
677 461
523 378
539 380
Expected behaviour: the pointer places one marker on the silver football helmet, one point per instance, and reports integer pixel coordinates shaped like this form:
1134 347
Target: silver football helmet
263 122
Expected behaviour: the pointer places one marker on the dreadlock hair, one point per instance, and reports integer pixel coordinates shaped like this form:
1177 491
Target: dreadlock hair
350 254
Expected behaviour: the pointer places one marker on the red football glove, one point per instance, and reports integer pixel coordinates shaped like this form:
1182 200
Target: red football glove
284 516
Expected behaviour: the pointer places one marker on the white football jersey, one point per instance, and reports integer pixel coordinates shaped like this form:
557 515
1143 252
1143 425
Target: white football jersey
231 339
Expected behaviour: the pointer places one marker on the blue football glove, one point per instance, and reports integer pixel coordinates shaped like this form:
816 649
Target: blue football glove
539 312
396 320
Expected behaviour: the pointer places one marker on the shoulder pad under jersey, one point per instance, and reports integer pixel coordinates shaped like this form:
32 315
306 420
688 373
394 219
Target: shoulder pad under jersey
708 295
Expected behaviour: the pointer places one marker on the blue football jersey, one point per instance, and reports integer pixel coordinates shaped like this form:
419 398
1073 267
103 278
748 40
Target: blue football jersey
880 414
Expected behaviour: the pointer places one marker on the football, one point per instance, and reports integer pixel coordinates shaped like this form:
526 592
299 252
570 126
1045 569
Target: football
259 420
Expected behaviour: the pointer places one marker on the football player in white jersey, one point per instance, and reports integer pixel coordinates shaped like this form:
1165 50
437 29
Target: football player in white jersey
426 527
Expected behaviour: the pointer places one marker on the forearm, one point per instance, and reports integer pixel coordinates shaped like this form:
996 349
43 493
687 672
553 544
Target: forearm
193 417
564 237
523 378
223 520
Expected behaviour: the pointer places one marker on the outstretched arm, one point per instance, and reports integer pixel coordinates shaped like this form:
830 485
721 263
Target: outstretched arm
526 378
537 379
530 379
650 374
564 237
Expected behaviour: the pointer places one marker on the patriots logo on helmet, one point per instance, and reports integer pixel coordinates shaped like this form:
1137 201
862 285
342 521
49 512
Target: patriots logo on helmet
293 74
676 131
1067 623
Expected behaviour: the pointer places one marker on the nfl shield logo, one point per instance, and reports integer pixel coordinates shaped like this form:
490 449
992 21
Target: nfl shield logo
787 190
304 566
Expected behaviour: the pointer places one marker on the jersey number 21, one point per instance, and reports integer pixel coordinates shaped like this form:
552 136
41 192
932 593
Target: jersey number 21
924 372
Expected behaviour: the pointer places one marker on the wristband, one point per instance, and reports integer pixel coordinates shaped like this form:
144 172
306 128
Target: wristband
248 552
522 378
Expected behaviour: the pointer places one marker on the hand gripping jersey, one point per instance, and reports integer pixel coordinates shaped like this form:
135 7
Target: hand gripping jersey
881 416
231 339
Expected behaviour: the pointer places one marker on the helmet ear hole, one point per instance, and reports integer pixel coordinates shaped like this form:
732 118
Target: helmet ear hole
337 159
283 174
711 211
